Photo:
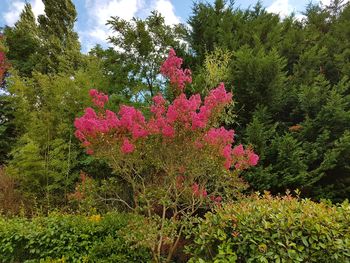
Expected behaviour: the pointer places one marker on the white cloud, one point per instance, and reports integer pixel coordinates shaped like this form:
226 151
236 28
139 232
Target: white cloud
281 7
99 12
15 8
300 17
166 8
38 7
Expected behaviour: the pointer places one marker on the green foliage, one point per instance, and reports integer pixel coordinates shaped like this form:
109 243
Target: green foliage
46 158
215 69
267 229
258 79
71 238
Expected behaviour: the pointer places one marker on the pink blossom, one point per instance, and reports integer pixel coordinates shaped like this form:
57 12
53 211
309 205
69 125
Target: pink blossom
198 145
218 97
159 99
86 143
239 165
158 109
127 147
216 199
227 154
90 113
79 135
98 98
138 131
171 68
238 150
112 119
168 131
219 136
252 158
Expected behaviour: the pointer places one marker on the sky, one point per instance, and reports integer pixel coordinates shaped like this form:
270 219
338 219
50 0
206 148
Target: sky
93 14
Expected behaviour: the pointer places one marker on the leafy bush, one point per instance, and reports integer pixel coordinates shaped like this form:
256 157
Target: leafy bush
68 238
268 229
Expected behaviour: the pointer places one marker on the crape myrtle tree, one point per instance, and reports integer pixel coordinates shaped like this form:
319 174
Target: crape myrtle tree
177 162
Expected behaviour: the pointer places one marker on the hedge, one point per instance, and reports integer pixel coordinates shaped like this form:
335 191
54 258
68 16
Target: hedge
68 238
268 229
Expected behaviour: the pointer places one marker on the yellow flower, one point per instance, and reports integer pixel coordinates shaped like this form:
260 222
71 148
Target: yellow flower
95 218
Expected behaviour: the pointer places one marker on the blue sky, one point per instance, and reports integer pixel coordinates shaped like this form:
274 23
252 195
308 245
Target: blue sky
93 14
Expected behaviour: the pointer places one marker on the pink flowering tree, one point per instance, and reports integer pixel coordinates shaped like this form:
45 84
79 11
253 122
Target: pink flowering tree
177 161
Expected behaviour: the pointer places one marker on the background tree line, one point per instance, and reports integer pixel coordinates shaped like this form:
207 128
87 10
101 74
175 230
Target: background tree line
289 77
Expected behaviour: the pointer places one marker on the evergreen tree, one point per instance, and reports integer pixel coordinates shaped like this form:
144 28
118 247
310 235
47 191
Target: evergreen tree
60 49
7 129
289 80
22 42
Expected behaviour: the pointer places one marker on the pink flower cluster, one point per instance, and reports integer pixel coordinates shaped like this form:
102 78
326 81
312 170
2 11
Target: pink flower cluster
129 125
98 98
244 158
171 68
190 113
222 140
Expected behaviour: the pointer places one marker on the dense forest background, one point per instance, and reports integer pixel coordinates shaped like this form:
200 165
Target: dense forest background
289 78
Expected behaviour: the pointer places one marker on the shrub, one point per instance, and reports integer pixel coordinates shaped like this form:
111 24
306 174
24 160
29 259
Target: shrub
176 162
274 229
69 238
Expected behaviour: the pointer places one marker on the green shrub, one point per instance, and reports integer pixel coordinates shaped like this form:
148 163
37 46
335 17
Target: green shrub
68 238
268 229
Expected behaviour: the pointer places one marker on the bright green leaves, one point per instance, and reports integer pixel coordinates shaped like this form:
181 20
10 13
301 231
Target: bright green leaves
267 229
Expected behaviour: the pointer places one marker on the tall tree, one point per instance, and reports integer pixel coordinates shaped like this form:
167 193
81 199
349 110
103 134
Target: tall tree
60 50
23 42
